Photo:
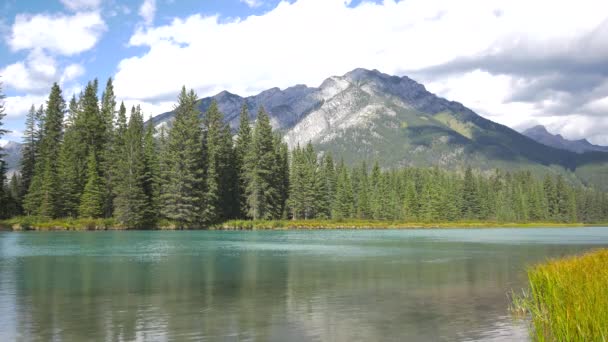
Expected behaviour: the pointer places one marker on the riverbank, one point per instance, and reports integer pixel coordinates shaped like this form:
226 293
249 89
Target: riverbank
568 298
32 223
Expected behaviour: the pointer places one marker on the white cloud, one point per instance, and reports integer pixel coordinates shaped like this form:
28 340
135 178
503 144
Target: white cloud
252 3
147 11
18 106
37 72
309 40
60 34
71 72
79 5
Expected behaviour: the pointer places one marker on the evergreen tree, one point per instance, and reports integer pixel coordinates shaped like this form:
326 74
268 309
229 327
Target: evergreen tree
183 183
91 202
328 187
43 197
281 174
344 202
72 164
262 191
29 149
470 197
151 179
131 201
108 115
241 150
220 176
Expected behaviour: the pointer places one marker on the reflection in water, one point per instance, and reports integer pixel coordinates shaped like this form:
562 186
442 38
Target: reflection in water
315 285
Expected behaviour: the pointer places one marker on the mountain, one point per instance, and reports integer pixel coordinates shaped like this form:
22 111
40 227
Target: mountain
372 116
12 152
540 134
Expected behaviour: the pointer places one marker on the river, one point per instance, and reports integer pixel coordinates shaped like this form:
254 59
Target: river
320 285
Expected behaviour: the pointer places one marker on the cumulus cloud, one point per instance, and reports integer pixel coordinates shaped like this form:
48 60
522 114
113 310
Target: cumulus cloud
79 5
147 10
60 34
510 61
37 72
18 106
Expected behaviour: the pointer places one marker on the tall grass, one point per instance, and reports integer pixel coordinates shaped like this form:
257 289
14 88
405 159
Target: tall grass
569 298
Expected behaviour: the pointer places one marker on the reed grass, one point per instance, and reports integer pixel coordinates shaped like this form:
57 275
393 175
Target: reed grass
568 298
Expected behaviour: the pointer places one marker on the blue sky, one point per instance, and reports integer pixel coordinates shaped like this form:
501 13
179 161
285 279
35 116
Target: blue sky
494 56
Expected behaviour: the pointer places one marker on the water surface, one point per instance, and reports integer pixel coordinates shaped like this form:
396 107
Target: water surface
414 285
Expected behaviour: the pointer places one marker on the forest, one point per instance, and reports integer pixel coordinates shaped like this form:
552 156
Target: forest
90 158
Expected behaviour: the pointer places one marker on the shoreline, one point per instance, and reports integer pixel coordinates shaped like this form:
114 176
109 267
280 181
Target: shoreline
32 224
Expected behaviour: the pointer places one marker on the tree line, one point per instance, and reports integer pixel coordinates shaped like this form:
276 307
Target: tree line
89 159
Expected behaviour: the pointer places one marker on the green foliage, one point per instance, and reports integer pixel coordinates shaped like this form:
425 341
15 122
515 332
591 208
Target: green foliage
568 298
183 165
194 176
264 200
91 202
44 193
131 202
241 150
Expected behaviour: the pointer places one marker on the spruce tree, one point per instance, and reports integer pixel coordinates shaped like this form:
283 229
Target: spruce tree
241 150
151 179
131 201
183 183
262 191
92 200
281 176
344 201
43 197
220 176
72 163
29 150
108 115
470 196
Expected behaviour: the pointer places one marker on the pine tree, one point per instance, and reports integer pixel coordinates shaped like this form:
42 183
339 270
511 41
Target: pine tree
470 196
220 176
281 175
328 187
29 149
183 183
91 202
72 164
241 150
131 201
375 192
344 202
43 197
297 185
151 179
108 114
261 188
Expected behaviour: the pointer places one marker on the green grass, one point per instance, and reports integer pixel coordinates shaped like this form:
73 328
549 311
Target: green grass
378 224
568 298
35 223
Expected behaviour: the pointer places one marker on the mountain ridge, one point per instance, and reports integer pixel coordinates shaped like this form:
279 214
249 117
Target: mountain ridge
540 134
359 114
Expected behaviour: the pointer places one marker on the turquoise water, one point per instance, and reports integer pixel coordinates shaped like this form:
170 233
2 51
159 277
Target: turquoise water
401 285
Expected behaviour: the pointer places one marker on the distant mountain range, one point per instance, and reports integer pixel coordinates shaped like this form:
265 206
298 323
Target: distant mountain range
540 134
372 116
368 115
